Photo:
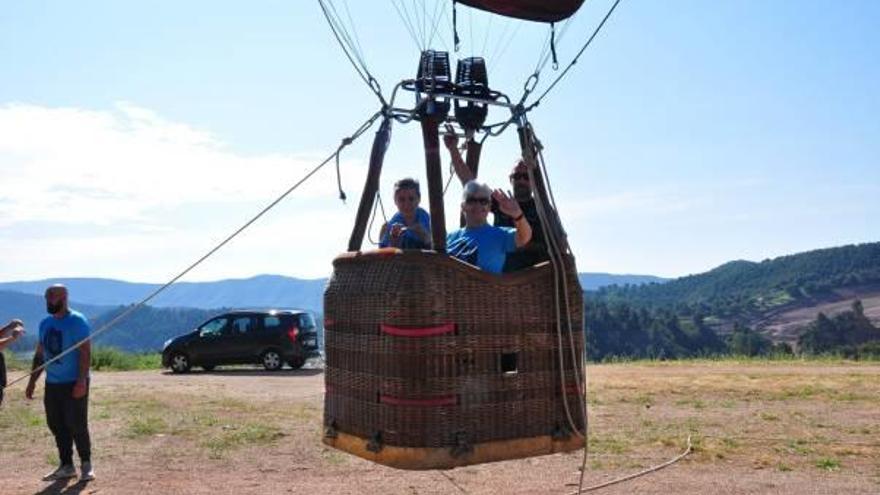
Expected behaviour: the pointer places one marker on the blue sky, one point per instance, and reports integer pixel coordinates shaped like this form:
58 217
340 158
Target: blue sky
134 136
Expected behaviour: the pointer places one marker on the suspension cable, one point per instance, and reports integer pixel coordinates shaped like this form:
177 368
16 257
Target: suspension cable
345 142
407 22
362 71
576 57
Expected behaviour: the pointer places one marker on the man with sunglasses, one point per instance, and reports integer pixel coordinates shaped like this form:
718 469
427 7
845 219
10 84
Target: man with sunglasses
479 243
536 250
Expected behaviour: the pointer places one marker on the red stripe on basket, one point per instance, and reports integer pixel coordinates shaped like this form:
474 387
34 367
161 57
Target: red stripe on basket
418 332
445 400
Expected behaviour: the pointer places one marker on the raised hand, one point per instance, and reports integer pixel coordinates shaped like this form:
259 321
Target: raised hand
506 203
450 139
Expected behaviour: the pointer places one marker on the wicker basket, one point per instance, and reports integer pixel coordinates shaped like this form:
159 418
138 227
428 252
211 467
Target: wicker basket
432 363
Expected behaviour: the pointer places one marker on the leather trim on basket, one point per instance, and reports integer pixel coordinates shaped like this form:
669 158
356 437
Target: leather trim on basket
443 400
418 332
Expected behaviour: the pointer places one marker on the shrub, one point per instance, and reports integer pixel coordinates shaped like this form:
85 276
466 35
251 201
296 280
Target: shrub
112 359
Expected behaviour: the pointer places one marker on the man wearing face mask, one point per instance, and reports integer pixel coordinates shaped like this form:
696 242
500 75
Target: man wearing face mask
66 397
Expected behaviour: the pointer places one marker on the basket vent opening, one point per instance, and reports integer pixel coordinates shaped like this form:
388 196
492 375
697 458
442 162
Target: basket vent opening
509 363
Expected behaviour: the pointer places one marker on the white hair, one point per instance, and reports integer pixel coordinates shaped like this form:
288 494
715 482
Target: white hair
472 188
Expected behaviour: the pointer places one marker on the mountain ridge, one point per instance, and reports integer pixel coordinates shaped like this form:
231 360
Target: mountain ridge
266 290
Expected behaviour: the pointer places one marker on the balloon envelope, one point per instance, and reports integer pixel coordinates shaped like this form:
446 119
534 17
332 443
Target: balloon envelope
530 10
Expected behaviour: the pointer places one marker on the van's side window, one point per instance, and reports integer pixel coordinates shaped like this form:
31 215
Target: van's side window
213 328
242 325
270 322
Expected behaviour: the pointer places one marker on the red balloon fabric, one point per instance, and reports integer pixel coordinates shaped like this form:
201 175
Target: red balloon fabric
530 10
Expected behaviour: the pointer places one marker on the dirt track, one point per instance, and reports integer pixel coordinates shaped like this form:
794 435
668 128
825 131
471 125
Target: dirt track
296 462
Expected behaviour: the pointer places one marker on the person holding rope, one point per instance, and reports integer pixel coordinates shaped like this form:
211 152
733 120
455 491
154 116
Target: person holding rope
66 398
8 334
410 227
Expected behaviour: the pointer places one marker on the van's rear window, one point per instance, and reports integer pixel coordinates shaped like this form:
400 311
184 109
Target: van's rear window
306 321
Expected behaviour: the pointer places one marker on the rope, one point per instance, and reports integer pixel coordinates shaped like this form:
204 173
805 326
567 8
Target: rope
435 21
640 473
557 261
339 33
455 26
407 23
576 57
345 142
452 480
376 206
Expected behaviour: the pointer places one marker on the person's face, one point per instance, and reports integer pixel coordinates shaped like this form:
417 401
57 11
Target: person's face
519 180
476 208
56 300
407 200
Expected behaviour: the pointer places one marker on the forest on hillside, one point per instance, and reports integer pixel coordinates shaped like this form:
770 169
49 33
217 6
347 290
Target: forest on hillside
745 290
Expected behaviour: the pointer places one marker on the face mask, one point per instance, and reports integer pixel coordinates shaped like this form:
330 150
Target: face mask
53 308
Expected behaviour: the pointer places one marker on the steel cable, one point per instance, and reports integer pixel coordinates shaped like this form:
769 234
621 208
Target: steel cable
345 142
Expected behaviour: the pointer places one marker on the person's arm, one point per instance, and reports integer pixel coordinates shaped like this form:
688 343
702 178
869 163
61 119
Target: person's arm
461 169
421 232
81 387
82 380
383 241
510 207
36 371
10 333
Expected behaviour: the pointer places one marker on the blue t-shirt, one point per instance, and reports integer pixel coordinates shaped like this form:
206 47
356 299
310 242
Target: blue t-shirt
409 239
485 246
58 335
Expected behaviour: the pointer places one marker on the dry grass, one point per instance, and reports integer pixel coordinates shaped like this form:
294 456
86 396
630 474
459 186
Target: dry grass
785 416
801 427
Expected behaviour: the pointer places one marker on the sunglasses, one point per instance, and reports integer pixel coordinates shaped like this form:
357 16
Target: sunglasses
519 176
482 201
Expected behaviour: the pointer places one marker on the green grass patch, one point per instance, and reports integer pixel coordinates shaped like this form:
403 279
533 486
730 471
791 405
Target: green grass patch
15 361
17 416
234 436
769 416
112 359
145 426
828 464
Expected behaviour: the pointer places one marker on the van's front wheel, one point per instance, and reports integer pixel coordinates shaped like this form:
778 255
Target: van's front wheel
180 363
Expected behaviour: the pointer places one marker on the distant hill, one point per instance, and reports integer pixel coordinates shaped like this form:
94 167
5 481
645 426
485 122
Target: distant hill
259 291
146 329
31 310
594 281
773 294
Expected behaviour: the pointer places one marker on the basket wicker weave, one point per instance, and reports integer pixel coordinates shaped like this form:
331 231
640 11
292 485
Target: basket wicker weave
432 363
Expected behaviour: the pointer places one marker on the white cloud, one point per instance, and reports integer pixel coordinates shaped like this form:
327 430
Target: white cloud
82 166
128 194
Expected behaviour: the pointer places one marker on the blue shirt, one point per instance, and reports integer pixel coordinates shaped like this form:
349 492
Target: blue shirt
58 335
409 239
485 246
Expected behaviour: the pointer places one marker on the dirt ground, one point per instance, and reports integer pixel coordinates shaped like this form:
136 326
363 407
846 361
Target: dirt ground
799 428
